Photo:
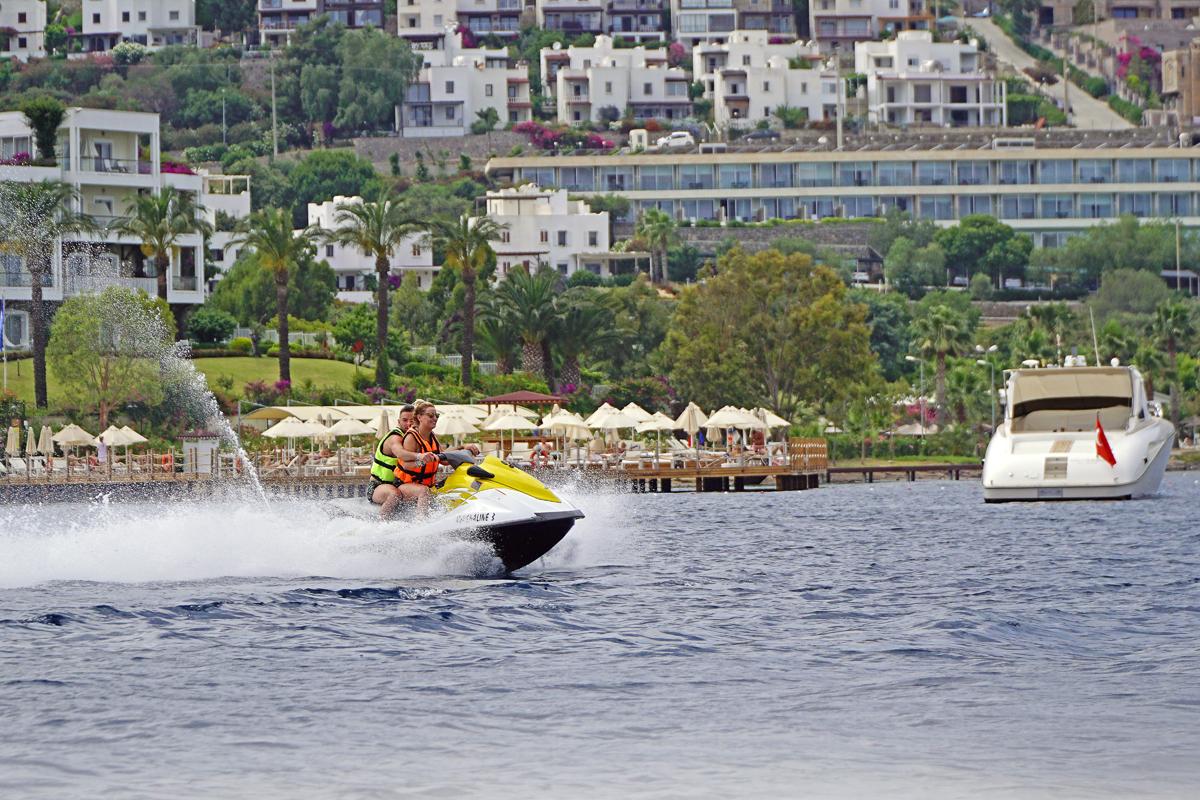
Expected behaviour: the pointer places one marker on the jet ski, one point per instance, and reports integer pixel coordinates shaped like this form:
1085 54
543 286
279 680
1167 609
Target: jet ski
490 501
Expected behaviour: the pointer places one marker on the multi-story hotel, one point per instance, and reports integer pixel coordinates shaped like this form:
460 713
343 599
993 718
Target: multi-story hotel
278 18
838 24
23 29
109 157
912 80
571 16
1047 186
356 271
153 23
456 83
638 20
584 81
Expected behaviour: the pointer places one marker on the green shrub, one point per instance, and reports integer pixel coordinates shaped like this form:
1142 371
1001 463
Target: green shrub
1096 86
208 324
1126 109
242 345
420 369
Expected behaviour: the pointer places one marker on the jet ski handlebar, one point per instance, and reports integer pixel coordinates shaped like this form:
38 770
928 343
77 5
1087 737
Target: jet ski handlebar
456 458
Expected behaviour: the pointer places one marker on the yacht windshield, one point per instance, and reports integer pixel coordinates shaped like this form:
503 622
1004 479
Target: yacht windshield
1070 400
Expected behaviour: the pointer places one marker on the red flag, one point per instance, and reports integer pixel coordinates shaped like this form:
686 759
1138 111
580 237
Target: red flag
1102 448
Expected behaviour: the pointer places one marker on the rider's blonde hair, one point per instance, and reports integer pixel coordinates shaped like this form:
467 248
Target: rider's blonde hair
421 406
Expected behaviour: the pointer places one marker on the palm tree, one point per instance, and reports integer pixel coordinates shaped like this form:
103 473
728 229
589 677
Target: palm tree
496 334
529 305
467 246
376 228
160 220
1172 324
657 228
1116 342
268 232
33 216
582 325
1149 362
941 332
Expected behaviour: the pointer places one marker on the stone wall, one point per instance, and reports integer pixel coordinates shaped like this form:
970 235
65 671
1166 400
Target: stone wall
843 234
378 150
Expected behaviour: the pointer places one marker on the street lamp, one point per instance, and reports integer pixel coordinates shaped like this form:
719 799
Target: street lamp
990 364
921 396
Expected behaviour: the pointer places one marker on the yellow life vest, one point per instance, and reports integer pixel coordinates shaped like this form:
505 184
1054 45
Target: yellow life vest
384 467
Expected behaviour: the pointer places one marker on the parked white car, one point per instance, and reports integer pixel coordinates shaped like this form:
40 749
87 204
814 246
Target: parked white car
676 139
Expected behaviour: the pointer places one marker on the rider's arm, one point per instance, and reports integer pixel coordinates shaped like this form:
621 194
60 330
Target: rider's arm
413 456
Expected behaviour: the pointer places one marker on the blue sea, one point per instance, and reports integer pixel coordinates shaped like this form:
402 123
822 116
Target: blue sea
899 640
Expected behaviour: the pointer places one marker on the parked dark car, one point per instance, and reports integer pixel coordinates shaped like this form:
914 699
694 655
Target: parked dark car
763 135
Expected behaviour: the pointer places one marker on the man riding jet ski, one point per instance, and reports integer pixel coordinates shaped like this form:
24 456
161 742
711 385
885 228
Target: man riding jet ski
488 501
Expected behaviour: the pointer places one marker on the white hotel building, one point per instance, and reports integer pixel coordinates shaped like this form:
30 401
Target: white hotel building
911 80
22 29
100 154
585 80
837 25
355 271
153 23
456 83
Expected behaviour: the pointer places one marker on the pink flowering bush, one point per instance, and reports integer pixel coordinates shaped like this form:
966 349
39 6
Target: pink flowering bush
17 160
175 168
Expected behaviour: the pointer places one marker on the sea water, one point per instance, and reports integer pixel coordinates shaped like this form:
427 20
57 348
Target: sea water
890 640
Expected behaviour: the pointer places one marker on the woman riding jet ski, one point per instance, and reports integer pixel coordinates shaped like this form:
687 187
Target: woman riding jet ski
490 501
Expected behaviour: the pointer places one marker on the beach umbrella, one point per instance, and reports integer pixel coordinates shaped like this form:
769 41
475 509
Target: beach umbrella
658 422
734 417
30 443
46 441
292 428
599 414
635 411
12 447
74 436
770 418
691 420
348 426
454 425
508 422
614 421
384 426
134 436
114 437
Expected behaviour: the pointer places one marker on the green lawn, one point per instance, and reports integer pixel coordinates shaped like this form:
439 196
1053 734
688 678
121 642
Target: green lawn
320 371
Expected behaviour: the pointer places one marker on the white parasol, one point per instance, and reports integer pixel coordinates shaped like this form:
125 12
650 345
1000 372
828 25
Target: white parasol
658 422
384 426
12 447
691 420
292 428
599 414
74 436
637 412
348 426
30 443
46 441
508 422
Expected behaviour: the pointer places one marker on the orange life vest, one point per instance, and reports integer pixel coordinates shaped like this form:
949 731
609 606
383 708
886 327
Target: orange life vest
426 472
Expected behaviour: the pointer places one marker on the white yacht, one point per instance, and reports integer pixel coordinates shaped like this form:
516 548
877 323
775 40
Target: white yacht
1049 447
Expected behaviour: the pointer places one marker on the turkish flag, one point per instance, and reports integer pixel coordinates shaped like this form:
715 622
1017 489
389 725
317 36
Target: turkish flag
1102 448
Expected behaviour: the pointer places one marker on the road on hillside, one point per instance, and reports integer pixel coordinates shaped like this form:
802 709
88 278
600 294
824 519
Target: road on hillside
1088 112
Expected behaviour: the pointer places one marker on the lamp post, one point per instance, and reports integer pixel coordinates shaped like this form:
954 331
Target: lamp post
921 395
992 366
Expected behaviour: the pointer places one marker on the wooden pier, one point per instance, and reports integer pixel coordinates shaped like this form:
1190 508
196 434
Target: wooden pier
908 472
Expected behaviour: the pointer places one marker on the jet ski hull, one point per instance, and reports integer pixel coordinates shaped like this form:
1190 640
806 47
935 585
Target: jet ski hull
519 544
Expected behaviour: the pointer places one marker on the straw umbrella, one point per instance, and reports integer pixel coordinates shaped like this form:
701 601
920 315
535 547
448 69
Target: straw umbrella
658 422
46 441
12 447
384 426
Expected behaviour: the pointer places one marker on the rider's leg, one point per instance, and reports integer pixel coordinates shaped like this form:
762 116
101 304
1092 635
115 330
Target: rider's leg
387 497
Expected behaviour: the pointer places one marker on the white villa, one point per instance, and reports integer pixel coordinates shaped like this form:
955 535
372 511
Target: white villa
22 29
353 268
153 23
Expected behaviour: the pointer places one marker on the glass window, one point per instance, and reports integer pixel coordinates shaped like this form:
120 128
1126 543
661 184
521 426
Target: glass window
775 176
817 207
733 176
814 174
616 179
895 173
1095 170
1017 206
1016 172
974 173
974 204
935 206
576 178
738 209
1134 170
860 206
855 173
699 209
696 176
894 203
542 176
1056 171
1174 204
1095 206
1058 206
1137 204
933 173
1173 170
658 177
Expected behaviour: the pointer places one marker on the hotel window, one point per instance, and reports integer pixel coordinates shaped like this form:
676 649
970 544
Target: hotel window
855 173
974 204
22 17
542 176
608 87
544 236
817 207
593 239
576 178
733 176
562 238
660 177
1016 173
1134 170
1094 170
449 87
329 251
698 209
505 236
1056 171
141 16
487 90
1137 204
1018 206
974 173
1058 206
894 203
1174 204
859 206
775 176
814 174
1173 170
933 173
647 88
1095 206
616 179
173 16
935 207
124 16
895 173
416 250
96 19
